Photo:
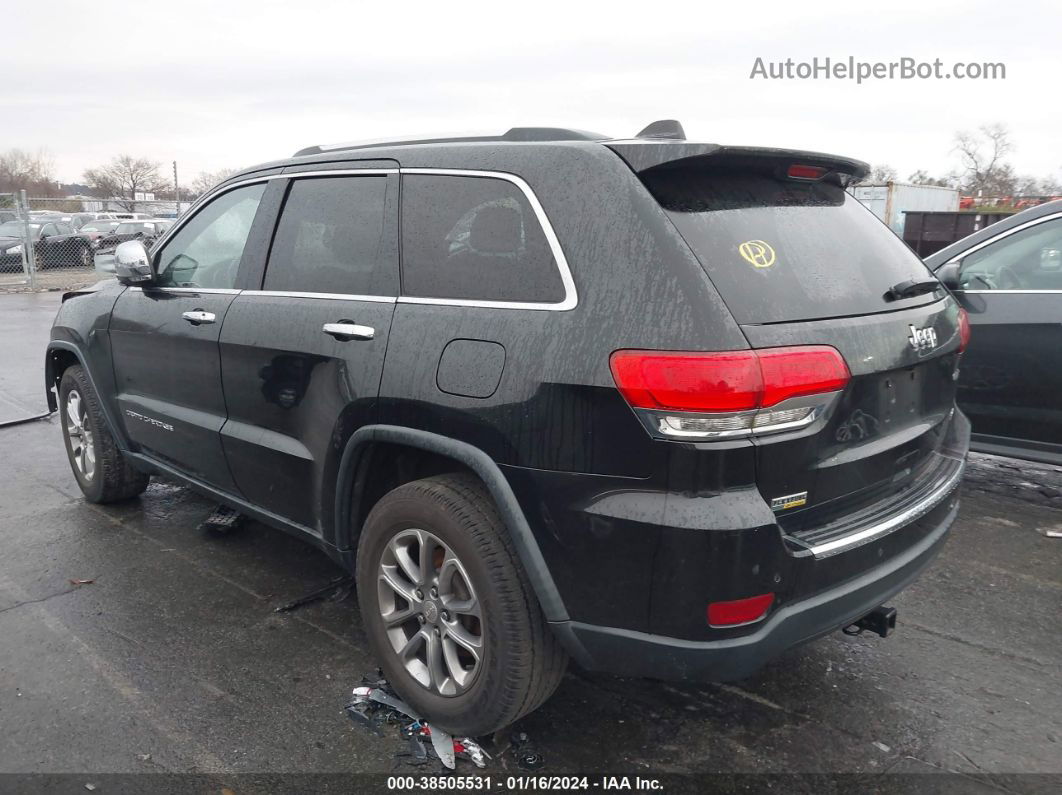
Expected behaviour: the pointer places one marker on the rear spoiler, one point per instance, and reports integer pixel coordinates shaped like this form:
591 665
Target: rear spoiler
643 155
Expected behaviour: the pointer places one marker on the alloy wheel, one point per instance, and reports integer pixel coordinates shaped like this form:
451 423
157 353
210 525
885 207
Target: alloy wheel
82 447
430 612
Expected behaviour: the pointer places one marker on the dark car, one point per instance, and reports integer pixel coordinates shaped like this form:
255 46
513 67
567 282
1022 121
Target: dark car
54 243
665 407
1008 276
148 231
97 230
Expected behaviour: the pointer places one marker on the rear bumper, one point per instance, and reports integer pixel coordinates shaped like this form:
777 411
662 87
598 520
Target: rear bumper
632 653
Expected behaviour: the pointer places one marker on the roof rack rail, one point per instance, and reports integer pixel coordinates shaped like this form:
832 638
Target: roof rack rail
514 134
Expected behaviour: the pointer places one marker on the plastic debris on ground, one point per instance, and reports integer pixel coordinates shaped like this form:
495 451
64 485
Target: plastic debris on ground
223 520
374 705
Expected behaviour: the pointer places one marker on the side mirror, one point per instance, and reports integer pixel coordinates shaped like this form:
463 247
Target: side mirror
132 265
948 273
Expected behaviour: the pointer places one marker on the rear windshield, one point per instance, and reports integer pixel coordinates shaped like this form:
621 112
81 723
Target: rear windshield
781 250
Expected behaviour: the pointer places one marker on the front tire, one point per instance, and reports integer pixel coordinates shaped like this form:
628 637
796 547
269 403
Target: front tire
99 467
448 610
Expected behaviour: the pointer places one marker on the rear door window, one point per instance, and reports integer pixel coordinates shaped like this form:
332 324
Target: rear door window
474 238
333 237
781 250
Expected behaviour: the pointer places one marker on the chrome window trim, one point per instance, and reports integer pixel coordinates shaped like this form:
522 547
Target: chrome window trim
571 296
380 299
958 258
1008 292
202 200
921 508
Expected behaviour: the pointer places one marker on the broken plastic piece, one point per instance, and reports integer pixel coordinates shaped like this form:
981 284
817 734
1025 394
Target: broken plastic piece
373 704
473 750
443 744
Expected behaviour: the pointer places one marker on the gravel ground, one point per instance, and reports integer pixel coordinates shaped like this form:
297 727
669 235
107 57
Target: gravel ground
51 280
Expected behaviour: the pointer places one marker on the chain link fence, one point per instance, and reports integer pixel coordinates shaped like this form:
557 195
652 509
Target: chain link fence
62 243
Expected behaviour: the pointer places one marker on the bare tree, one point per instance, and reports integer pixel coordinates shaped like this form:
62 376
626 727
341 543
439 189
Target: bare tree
882 172
982 155
1034 186
208 179
921 177
124 177
31 171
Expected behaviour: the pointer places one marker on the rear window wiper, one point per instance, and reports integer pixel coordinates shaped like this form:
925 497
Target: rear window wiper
911 288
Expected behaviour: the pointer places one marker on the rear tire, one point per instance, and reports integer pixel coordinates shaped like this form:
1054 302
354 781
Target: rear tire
471 567
99 467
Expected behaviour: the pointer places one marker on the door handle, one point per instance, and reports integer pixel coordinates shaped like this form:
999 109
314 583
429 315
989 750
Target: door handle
198 317
345 330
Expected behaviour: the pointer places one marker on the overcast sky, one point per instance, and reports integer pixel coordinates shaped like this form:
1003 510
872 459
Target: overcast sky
232 83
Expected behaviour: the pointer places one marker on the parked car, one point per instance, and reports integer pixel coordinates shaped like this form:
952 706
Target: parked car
8 215
94 231
123 216
129 230
668 408
148 231
1008 276
54 243
80 219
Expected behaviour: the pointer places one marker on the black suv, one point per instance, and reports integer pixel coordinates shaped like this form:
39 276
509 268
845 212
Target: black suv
667 408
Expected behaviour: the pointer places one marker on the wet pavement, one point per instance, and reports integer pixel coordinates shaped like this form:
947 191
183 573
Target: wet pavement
172 659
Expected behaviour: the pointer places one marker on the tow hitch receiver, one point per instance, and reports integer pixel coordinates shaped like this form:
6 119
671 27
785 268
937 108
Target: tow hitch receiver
881 621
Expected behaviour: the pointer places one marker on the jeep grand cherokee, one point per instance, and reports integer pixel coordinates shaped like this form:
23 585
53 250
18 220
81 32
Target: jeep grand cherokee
663 407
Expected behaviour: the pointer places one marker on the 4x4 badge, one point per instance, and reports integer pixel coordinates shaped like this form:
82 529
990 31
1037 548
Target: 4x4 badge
789 501
922 340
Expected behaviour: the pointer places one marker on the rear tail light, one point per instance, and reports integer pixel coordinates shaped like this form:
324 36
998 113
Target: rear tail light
964 329
731 393
739 611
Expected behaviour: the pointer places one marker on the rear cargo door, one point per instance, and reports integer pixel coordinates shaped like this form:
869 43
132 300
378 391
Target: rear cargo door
800 262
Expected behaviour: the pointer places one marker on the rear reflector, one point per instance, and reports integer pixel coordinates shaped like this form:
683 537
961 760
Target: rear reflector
806 172
728 381
964 329
739 611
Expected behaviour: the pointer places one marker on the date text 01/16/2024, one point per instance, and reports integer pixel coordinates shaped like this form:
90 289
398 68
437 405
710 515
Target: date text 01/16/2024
522 783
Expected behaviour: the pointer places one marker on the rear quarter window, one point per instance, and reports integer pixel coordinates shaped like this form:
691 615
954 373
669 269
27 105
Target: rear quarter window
474 238
782 250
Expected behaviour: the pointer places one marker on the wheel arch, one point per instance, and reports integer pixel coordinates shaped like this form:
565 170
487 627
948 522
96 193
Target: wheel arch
61 355
351 505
